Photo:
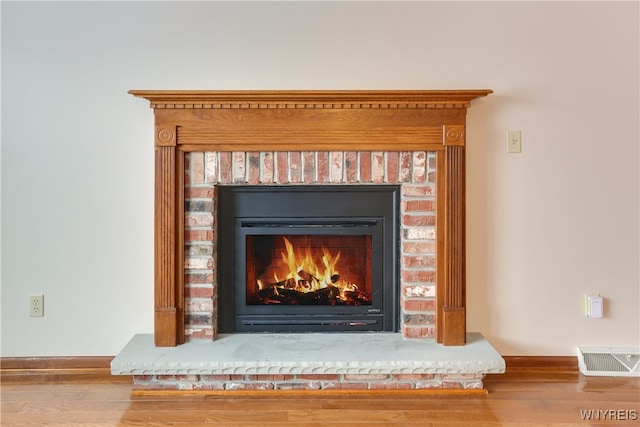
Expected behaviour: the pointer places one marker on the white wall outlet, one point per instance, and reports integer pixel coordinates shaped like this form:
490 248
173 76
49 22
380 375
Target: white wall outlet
36 306
514 141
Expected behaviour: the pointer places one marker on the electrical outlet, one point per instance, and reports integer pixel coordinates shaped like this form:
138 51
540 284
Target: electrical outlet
594 305
36 306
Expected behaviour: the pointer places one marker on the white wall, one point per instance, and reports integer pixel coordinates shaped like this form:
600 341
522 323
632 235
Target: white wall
544 226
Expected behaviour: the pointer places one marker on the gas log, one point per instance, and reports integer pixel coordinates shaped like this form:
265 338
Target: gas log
283 292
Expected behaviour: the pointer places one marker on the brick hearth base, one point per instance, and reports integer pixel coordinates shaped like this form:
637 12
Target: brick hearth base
336 361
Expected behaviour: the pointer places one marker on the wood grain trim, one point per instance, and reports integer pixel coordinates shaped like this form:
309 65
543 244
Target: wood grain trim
166 256
56 369
314 393
179 262
453 305
315 99
541 363
247 146
292 139
287 130
440 234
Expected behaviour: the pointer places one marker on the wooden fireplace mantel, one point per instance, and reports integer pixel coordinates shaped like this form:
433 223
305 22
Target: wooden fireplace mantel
421 120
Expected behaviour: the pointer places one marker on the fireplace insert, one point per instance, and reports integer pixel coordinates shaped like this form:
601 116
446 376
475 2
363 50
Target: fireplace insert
302 258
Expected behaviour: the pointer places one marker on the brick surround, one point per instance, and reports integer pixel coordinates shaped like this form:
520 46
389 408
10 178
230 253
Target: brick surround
415 171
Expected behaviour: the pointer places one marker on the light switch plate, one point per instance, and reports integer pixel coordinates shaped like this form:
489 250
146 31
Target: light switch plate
514 141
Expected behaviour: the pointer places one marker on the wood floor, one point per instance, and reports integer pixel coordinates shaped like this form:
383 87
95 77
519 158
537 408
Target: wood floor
513 399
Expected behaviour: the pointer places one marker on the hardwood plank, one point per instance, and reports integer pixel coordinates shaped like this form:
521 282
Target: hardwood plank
541 398
43 369
336 417
67 419
384 404
545 363
316 393
63 362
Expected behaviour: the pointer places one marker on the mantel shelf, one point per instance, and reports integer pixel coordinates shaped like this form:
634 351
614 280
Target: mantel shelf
318 98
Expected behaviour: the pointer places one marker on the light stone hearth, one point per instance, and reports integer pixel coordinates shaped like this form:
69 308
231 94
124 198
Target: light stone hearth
378 356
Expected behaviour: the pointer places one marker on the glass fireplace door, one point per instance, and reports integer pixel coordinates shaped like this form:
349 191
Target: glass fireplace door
308 269
307 258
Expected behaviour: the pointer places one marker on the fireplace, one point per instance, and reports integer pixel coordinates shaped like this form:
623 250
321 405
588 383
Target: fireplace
325 125
308 258
239 232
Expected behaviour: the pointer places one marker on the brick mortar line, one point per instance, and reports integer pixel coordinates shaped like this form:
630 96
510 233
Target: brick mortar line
414 213
419 284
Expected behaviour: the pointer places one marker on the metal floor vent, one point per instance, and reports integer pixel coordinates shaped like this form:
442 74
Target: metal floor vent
611 362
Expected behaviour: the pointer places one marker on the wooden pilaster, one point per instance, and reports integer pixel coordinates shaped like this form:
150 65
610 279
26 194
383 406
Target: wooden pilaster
168 301
453 293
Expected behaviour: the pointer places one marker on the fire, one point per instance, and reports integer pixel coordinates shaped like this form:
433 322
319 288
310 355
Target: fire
309 276
303 268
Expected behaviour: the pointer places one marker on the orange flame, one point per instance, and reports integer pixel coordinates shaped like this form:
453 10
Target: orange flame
303 262
310 274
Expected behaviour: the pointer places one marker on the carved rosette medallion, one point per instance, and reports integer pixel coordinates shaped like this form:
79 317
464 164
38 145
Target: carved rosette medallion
166 137
453 135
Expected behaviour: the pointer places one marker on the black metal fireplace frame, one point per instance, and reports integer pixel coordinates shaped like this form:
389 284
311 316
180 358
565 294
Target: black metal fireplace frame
352 210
